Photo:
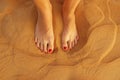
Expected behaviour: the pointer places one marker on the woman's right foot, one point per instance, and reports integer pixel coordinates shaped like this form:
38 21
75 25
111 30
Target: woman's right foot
44 35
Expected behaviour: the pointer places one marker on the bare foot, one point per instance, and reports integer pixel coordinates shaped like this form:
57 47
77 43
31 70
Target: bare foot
44 36
70 35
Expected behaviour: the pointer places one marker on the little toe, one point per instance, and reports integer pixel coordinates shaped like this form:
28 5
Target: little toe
75 41
77 37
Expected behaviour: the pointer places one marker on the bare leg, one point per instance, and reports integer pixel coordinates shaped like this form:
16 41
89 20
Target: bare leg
70 35
44 36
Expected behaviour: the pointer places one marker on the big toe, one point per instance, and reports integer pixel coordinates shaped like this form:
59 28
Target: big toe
50 47
65 45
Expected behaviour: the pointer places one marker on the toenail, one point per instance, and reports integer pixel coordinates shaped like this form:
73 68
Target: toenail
65 48
50 50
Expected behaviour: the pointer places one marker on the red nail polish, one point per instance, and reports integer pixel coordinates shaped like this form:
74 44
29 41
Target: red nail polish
65 48
50 50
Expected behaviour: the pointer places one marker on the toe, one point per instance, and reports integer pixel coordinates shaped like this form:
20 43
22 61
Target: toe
50 47
76 40
45 47
38 44
36 40
77 37
70 45
65 45
73 43
41 46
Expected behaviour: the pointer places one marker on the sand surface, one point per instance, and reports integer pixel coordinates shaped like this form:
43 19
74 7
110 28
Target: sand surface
96 57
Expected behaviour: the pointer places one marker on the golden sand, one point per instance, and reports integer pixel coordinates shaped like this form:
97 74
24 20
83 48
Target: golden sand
96 57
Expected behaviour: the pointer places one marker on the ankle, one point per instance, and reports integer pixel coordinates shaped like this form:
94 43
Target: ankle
69 21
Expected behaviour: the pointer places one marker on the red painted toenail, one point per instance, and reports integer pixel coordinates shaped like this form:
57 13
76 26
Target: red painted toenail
65 48
50 50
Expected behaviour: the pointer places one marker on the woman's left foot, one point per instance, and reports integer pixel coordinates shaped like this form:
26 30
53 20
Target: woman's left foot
69 36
